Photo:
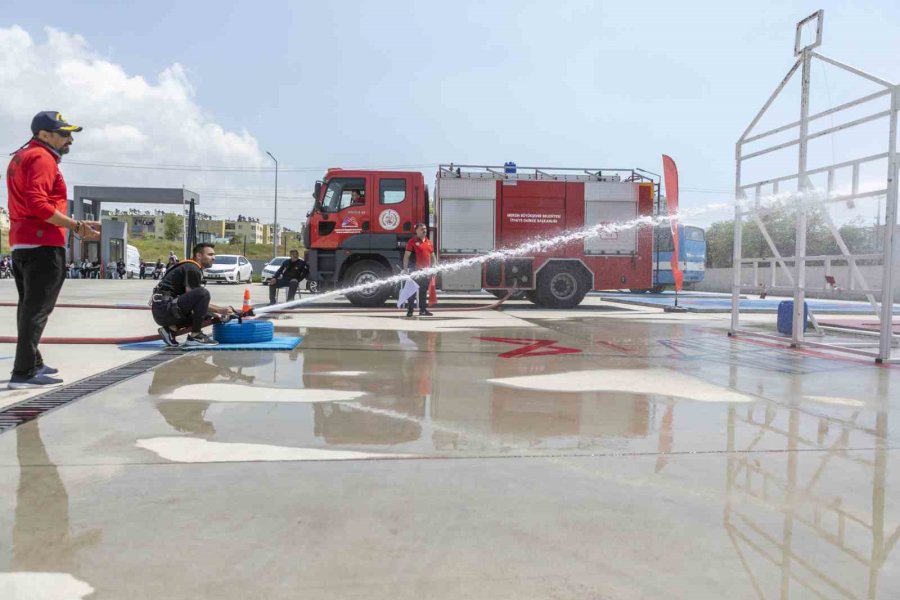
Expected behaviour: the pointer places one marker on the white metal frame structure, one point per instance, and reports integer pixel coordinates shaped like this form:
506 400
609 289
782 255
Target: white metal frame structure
749 195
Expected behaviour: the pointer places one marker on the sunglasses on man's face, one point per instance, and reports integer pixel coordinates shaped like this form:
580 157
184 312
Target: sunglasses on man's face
63 134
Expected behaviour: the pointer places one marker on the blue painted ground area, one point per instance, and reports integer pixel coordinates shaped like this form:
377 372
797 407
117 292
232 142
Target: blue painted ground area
721 303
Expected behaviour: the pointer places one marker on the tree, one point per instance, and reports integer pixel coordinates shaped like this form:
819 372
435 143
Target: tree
781 225
172 226
719 244
859 238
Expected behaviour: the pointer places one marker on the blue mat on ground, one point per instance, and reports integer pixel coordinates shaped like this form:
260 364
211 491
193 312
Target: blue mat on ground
722 304
277 343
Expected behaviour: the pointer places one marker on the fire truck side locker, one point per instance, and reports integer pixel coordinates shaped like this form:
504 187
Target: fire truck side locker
466 226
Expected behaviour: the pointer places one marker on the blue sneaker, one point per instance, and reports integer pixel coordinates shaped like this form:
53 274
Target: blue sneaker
17 382
47 370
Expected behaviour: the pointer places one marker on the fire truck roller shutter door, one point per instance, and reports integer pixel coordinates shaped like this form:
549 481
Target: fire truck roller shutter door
467 217
610 202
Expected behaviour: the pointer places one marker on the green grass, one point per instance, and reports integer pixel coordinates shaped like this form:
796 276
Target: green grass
151 249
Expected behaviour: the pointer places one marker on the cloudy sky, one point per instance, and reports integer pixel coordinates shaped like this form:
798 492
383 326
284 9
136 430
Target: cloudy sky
183 85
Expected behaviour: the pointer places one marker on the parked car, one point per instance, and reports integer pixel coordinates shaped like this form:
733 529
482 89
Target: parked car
132 262
270 267
229 268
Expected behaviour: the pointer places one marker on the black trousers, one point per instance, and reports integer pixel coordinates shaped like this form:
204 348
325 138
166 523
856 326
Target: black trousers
189 308
422 282
39 274
290 284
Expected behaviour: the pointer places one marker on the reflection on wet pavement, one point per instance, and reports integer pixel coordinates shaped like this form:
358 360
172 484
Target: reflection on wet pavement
592 473
42 535
192 450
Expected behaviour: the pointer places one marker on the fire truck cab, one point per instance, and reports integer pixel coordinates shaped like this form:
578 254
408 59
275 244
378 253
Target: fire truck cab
359 226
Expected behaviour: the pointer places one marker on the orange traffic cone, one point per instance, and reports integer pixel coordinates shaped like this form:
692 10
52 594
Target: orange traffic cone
248 305
432 293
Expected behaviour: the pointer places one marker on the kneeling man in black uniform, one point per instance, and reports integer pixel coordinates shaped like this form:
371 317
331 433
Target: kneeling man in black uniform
180 300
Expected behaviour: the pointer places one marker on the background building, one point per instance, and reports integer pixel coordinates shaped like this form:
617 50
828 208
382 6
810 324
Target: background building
140 224
245 229
210 227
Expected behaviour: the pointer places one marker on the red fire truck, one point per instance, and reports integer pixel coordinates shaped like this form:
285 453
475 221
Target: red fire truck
361 221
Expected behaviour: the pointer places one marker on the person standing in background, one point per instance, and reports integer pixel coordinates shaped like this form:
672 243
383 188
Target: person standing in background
420 247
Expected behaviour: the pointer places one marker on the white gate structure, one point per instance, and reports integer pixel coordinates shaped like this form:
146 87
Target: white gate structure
751 199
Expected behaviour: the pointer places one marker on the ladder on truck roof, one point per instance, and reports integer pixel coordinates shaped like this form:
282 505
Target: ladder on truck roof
454 171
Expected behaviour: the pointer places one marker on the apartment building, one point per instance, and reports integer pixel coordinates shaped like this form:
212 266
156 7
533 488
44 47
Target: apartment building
245 229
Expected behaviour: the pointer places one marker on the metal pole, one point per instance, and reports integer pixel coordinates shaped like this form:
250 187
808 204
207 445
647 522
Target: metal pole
184 226
799 321
275 224
890 227
736 256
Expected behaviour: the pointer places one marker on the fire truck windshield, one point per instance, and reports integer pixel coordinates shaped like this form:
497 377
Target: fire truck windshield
339 193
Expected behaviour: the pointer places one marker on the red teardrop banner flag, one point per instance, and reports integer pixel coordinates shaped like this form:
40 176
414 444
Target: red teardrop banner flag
670 172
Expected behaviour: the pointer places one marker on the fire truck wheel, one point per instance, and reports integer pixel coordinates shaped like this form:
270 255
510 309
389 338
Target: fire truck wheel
367 271
561 285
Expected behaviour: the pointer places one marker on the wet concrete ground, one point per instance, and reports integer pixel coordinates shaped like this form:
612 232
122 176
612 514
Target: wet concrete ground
600 453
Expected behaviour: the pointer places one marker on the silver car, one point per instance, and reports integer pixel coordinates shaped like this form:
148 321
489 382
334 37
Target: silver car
270 267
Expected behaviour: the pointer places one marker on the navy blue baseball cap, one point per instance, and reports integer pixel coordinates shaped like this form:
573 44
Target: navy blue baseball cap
50 120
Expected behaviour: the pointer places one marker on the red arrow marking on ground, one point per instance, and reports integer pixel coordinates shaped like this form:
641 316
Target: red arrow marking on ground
530 347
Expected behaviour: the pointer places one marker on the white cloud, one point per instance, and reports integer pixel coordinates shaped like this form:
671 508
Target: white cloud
128 118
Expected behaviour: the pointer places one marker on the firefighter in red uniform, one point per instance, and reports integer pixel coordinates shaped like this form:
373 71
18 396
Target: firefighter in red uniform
37 237
425 258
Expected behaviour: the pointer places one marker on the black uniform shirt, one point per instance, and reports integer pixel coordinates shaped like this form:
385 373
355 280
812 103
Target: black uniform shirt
290 269
178 279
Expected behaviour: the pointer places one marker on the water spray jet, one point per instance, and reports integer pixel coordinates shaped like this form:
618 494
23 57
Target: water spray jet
536 245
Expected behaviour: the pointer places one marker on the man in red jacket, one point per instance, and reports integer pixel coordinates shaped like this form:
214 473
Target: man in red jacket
37 237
